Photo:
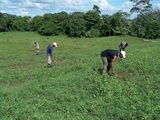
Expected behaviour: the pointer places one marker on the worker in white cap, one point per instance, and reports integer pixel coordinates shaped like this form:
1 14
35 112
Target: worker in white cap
36 47
49 53
109 56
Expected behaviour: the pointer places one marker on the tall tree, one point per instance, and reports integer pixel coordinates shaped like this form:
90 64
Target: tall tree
96 8
147 25
49 26
93 23
119 23
106 27
36 23
76 25
61 20
141 6
22 23
93 19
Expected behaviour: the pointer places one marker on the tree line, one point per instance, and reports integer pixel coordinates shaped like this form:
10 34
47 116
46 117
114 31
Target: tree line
86 24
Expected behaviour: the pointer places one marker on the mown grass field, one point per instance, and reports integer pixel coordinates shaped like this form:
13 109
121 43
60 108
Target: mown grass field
73 88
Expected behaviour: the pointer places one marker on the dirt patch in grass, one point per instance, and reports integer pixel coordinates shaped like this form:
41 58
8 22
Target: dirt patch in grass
25 64
31 63
13 85
124 74
1 55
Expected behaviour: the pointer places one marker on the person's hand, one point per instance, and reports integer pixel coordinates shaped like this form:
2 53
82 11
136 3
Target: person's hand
114 74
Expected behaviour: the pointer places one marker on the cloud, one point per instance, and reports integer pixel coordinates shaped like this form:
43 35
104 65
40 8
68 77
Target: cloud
40 7
3 1
103 5
43 1
15 1
74 2
126 7
24 8
157 5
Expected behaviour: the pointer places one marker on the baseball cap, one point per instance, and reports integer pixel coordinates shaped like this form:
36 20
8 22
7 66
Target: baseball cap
123 54
55 44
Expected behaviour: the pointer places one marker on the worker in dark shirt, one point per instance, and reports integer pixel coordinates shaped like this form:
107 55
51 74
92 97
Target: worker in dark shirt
109 56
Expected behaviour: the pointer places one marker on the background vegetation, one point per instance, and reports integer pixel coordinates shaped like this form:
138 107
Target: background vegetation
90 23
74 89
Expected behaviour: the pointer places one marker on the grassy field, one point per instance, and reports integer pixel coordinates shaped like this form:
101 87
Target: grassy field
73 88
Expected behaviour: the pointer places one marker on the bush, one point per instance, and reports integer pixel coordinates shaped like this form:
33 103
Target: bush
93 33
48 29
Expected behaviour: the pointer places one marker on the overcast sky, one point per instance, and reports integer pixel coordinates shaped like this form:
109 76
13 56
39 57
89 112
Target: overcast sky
40 7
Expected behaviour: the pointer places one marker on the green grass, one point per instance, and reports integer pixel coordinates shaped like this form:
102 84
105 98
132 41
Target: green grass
74 89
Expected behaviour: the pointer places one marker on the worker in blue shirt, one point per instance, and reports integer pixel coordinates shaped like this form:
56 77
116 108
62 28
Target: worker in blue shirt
49 53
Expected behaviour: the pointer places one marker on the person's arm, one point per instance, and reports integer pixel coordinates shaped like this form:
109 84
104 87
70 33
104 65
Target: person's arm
112 63
51 55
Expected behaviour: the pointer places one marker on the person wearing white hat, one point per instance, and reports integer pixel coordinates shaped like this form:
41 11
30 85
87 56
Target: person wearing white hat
109 56
37 47
49 53
123 53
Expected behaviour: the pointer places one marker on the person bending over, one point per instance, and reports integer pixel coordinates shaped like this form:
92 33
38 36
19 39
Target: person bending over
109 56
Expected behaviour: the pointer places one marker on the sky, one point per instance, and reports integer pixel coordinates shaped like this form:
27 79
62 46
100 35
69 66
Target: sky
40 7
